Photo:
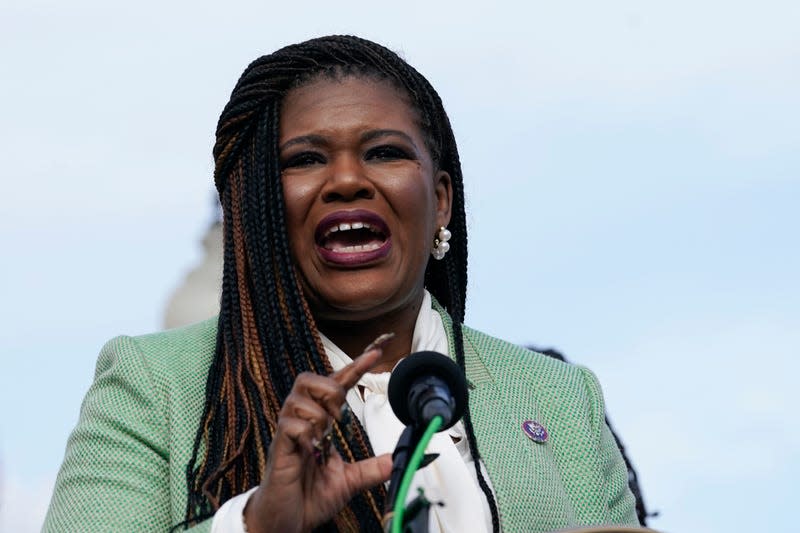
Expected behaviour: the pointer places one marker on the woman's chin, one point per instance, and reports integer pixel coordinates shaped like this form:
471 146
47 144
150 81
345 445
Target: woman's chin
363 303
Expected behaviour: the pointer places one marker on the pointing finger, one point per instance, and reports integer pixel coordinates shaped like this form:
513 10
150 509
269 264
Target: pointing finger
348 376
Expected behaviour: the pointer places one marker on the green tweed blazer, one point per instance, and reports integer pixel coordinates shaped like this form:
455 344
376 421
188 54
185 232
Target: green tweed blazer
125 463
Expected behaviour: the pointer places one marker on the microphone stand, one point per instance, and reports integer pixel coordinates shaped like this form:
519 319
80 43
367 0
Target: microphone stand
402 453
408 456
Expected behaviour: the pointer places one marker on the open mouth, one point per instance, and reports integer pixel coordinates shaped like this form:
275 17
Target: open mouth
352 236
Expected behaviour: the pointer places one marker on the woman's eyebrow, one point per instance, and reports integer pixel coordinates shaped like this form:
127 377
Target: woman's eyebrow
377 134
320 140
314 140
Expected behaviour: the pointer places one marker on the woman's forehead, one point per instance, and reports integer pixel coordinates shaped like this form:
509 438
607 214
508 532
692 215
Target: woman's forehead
350 102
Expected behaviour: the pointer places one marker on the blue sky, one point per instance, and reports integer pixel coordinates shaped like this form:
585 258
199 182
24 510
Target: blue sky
632 177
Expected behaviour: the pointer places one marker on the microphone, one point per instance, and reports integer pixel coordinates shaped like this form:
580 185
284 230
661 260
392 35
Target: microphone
422 386
426 384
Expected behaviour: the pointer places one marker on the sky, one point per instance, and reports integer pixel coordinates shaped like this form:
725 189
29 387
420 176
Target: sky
632 174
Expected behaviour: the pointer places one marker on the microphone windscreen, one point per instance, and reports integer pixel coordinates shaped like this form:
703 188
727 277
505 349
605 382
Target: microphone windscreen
422 364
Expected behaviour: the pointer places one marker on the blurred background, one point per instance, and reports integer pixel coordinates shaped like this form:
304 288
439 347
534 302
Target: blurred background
633 179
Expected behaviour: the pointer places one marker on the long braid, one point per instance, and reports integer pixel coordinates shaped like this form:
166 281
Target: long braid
449 284
266 332
447 280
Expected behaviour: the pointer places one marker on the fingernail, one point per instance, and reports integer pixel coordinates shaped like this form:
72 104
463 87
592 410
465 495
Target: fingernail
379 342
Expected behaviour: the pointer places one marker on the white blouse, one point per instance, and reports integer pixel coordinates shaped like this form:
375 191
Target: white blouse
450 479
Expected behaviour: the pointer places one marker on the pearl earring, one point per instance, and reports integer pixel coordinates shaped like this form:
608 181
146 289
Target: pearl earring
440 244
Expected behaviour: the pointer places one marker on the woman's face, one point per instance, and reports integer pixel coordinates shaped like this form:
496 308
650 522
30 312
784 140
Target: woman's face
363 198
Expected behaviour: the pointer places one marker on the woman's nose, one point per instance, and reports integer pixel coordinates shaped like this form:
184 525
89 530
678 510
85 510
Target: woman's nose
347 181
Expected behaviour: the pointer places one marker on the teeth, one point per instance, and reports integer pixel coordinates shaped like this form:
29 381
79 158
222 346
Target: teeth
344 226
357 248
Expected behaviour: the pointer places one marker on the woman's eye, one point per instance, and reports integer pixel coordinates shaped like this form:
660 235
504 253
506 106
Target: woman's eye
387 153
303 159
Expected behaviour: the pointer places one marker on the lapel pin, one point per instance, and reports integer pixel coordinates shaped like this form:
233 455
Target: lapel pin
534 431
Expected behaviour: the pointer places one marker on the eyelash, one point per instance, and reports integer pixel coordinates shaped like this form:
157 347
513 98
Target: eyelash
387 152
303 159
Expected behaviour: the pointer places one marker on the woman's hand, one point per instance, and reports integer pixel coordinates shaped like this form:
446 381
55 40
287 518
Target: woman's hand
298 491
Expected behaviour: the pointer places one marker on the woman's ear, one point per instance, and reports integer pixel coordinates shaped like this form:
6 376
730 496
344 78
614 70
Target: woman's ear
444 198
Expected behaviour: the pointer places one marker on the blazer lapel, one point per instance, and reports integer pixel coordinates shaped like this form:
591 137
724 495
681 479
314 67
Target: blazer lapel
522 472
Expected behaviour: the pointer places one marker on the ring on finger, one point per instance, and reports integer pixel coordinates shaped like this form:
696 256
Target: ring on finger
322 447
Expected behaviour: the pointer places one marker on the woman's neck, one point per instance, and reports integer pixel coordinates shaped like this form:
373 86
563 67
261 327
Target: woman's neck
353 337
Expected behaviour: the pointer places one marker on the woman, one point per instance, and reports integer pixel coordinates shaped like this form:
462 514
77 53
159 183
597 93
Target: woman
344 220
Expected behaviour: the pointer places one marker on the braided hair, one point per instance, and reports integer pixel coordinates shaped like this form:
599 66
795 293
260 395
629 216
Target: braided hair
266 333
